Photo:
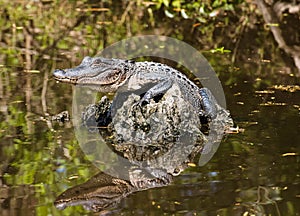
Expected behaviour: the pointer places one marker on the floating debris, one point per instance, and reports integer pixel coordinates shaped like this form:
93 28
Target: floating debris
235 130
288 88
265 92
289 154
270 103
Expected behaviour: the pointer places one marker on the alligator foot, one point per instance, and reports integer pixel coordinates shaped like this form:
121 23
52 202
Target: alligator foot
156 91
208 104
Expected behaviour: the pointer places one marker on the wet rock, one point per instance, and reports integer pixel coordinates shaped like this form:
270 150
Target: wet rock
163 135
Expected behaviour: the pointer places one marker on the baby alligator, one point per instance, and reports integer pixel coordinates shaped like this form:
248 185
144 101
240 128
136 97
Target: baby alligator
108 75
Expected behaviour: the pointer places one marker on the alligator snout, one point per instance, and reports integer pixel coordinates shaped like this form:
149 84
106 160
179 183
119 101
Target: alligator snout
63 76
59 73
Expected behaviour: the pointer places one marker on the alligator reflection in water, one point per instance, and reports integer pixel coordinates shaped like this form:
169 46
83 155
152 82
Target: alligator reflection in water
158 140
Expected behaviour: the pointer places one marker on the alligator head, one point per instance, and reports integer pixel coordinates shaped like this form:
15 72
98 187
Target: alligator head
106 74
100 192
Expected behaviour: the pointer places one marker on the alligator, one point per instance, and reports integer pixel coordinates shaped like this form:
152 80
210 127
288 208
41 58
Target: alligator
108 75
103 191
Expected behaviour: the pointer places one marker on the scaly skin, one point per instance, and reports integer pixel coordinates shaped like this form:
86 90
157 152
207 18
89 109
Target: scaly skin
108 75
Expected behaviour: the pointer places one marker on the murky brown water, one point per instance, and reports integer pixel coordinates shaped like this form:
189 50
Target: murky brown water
255 172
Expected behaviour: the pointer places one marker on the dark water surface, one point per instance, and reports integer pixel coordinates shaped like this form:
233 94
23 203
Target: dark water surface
254 172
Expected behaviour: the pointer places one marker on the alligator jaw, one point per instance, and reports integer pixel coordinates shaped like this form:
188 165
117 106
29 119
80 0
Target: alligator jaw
59 75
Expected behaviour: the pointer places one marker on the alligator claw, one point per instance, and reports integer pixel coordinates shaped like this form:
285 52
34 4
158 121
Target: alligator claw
143 102
140 103
137 104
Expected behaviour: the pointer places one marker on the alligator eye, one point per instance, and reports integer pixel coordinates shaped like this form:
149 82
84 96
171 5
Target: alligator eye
97 63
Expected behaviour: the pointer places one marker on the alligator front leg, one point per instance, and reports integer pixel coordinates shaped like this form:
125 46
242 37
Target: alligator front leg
208 104
158 89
